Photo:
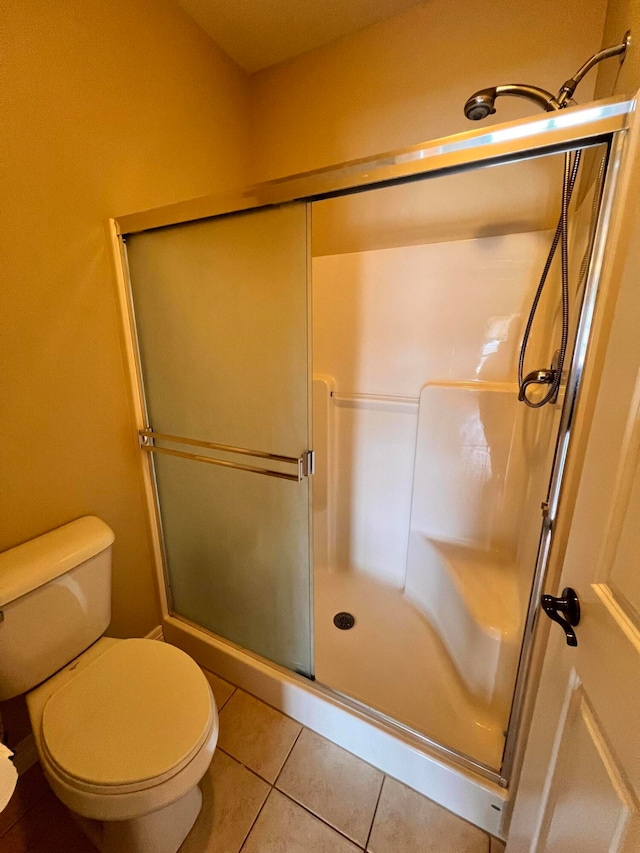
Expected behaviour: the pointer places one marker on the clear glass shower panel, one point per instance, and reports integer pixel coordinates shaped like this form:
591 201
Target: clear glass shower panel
430 473
222 322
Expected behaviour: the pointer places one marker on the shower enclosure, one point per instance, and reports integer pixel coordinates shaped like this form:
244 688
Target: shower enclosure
325 373
430 472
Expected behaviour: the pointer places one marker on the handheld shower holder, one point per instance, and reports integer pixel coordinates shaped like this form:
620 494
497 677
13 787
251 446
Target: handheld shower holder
545 376
538 377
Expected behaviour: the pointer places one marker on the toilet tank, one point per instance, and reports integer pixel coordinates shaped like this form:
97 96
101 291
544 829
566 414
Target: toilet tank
55 601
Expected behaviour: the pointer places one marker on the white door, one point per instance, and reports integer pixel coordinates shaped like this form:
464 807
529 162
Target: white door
580 783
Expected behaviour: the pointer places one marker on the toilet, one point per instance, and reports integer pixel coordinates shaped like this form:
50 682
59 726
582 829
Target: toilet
125 729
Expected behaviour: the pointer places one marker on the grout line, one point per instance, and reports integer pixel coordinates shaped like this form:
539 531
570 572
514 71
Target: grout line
274 783
272 787
249 831
279 773
242 764
259 812
317 817
293 719
227 699
375 812
235 686
289 751
262 702
287 717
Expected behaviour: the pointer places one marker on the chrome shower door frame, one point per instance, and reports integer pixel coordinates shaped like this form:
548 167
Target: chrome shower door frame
567 130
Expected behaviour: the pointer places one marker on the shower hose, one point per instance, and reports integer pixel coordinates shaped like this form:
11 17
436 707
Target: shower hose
571 165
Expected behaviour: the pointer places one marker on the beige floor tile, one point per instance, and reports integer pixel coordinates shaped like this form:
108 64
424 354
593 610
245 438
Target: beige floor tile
222 690
332 783
284 827
232 796
497 846
408 822
257 735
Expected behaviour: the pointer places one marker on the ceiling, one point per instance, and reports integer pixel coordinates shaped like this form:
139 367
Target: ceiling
259 33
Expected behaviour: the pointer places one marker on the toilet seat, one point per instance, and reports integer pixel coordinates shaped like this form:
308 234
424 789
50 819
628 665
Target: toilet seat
130 720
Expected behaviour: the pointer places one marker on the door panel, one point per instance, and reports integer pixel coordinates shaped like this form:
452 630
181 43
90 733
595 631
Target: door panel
623 582
580 784
222 324
589 807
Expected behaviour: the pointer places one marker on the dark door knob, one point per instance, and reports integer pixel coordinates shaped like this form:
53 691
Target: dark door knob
569 606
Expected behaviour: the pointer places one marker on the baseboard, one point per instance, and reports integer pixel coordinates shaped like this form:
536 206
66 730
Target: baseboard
25 754
155 634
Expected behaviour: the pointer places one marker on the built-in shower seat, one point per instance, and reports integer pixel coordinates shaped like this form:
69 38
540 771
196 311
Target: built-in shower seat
462 567
470 597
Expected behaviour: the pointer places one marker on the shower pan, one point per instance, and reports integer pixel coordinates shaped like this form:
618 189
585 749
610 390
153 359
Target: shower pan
352 512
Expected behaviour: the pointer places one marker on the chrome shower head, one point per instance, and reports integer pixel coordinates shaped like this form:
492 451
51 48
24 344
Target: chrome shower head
480 104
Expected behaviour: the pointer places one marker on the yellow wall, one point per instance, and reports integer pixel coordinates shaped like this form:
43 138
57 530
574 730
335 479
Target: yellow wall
107 108
613 78
406 79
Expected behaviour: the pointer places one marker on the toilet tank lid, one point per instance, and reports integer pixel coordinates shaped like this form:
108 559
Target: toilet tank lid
34 563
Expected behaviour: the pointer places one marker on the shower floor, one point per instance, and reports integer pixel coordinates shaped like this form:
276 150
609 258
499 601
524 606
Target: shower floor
393 661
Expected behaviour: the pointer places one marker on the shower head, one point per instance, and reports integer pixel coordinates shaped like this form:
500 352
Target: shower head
480 104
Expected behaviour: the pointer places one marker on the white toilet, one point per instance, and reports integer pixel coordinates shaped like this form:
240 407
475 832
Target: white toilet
125 729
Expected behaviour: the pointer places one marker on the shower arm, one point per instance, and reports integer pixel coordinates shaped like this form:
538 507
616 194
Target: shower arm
482 103
545 99
568 88
550 102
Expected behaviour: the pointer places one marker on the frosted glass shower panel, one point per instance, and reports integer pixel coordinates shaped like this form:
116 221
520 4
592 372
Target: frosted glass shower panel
221 311
221 317
237 549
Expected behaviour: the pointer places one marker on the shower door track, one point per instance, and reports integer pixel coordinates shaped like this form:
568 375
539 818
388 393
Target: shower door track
567 130
550 133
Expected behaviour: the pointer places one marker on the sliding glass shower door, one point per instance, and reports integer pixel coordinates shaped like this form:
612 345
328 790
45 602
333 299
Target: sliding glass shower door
222 322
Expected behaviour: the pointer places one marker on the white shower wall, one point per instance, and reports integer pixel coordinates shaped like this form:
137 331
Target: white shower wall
387 323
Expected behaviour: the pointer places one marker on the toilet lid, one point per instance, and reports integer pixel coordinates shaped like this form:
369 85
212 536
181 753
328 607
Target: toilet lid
139 711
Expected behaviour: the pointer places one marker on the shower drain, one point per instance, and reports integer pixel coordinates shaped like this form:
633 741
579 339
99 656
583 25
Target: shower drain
344 620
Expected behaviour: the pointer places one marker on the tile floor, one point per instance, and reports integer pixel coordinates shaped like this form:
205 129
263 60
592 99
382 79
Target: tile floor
273 787
35 821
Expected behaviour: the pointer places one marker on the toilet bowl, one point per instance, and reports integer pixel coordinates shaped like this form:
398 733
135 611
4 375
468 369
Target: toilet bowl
125 729
125 733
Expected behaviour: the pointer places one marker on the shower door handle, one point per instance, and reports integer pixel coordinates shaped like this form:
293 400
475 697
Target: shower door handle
305 463
569 605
